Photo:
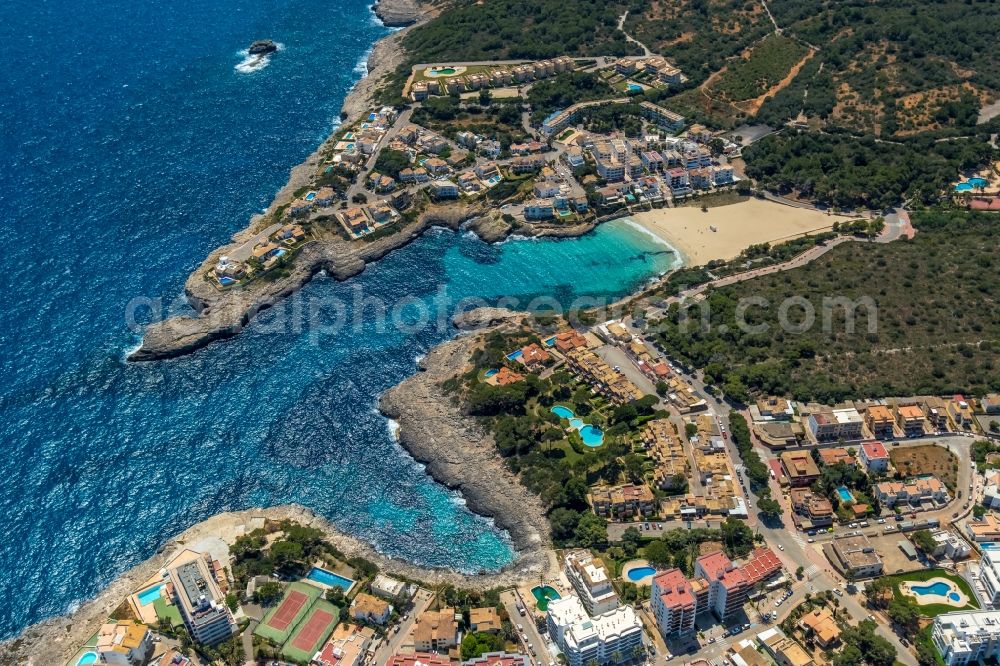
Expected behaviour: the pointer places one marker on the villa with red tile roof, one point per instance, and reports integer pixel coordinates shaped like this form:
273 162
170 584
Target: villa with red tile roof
835 455
874 457
504 377
534 357
569 340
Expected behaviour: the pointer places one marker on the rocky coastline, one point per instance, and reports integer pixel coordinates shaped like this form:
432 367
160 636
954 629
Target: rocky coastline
397 13
222 314
457 453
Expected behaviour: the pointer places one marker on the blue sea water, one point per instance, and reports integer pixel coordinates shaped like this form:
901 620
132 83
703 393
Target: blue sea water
131 148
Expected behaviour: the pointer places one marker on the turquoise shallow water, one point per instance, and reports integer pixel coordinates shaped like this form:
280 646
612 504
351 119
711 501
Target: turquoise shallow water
131 148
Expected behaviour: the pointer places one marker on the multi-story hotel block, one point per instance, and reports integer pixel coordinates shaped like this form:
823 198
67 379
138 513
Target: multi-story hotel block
591 581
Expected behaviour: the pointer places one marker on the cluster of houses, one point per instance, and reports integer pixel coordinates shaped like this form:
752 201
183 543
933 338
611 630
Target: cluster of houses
655 66
498 76
361 141
679 393
654 113
780 423
650 169
553 196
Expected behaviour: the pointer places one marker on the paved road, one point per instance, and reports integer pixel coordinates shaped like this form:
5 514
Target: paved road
396 639
535 641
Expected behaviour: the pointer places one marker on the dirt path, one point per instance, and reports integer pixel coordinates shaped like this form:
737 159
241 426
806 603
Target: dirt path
753 106
629 38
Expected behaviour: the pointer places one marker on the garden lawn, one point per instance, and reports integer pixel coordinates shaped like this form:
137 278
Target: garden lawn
933 610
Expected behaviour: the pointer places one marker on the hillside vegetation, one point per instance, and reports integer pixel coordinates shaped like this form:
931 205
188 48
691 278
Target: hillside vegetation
890 68
847 172
511 29
936 305
766 64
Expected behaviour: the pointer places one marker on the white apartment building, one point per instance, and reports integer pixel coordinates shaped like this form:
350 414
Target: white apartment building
989 576
603 639
591 581
965 637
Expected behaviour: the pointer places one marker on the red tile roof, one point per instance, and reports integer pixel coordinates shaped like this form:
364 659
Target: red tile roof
875 450
675 590
762 564
715 564
424 658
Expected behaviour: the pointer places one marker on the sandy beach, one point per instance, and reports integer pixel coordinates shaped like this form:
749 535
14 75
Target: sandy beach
737 227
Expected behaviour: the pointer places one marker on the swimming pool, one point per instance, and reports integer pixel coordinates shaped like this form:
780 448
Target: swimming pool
563 412
491 372
226 281
939 588
441 71
513 356
963 187
978 182
149 595
638 573
635 87
330 579
543 595
845 494
551 341
87 658
310 196
280 252
592 435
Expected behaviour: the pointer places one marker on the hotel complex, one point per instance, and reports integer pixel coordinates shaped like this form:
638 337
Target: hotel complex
966 637
719 586
585 639
590 580
201 603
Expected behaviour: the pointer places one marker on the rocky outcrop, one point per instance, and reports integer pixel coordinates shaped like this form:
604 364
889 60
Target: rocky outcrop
262 47
461 455
222 314
484 318
397 13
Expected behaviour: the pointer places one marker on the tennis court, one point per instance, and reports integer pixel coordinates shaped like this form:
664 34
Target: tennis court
311 632
279 622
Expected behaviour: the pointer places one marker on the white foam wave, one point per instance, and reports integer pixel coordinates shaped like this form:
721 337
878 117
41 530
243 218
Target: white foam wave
254 63
361 66
393 427
629 222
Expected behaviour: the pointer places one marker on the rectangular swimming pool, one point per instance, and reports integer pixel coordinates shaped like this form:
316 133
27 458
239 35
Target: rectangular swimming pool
149 595
329 578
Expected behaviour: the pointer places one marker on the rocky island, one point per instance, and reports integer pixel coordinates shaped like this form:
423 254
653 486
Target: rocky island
262 47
